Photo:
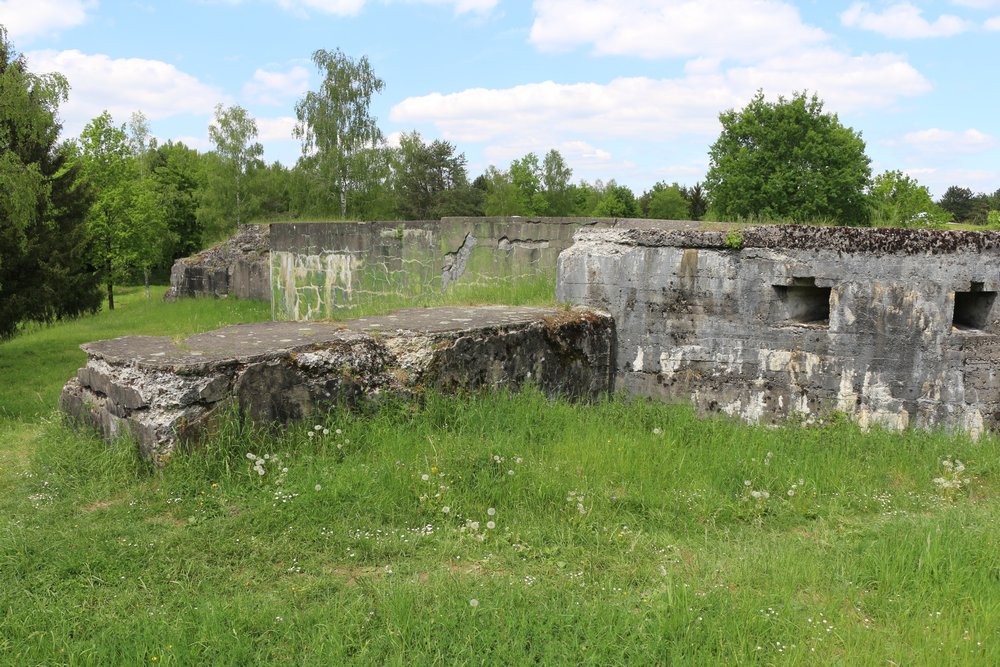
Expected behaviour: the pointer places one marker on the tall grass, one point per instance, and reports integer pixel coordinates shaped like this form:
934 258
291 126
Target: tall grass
508 529
534 290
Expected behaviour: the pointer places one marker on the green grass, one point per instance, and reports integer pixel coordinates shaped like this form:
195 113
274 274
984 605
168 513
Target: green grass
625 533
35 364
536 290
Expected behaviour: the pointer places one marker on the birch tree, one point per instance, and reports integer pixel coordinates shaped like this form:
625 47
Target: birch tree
234 134
338 133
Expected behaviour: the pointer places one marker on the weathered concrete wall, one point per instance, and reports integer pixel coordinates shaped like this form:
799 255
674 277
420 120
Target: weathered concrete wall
894 327
318 267
239 266
164 392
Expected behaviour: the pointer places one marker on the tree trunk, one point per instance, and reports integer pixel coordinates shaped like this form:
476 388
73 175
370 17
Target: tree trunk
111 281
238 202
145 280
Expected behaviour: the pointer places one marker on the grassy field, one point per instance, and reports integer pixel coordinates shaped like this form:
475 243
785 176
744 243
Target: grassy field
494 529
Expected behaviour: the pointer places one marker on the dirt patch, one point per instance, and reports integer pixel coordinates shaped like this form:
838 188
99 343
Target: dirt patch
101 505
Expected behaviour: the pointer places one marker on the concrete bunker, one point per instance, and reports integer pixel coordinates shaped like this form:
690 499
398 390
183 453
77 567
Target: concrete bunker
804 303
166 393
893 327
973 308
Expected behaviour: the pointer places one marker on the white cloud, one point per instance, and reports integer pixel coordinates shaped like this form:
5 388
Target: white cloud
993 23
902 20
939 180
393 139
29 18
270 87
624 107
463 6
657 109
576 152
336 7
275 129
934 140
354 7
739 29
977 4
202 143
843 82
123 85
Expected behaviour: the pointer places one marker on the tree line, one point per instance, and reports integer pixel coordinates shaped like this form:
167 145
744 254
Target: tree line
82 216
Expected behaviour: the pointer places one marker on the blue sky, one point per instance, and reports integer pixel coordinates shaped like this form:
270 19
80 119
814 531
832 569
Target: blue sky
625 89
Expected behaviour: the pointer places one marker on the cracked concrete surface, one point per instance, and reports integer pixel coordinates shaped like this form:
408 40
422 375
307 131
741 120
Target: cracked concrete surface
164 392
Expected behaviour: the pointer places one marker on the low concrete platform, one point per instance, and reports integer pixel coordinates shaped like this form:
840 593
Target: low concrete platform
165 391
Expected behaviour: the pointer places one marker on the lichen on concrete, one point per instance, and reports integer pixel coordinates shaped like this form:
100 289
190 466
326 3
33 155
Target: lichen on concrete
238 266
164 392
893 327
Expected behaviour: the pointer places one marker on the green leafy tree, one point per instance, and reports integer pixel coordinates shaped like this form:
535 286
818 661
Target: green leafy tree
618 202
556 175
697 202
179 176
790 160
501 197
234 135
270 191
126 221
430 179
898 200
958 201
664 202
45 272
526 176
586 197
337 130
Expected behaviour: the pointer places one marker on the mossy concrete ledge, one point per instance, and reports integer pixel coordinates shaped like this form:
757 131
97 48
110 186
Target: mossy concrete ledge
167 392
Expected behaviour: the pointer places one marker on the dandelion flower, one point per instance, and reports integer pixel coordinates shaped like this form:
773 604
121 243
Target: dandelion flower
318 487
746 482
250 455
326 431
425 477
475 525
492 511
473 602
491 525
338 431
318 427
657 431
445 509
310 434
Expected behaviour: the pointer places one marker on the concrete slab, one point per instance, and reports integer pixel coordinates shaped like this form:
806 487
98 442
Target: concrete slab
165 391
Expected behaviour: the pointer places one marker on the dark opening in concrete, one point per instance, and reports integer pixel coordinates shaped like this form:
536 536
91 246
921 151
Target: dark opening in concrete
804 302
972 308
